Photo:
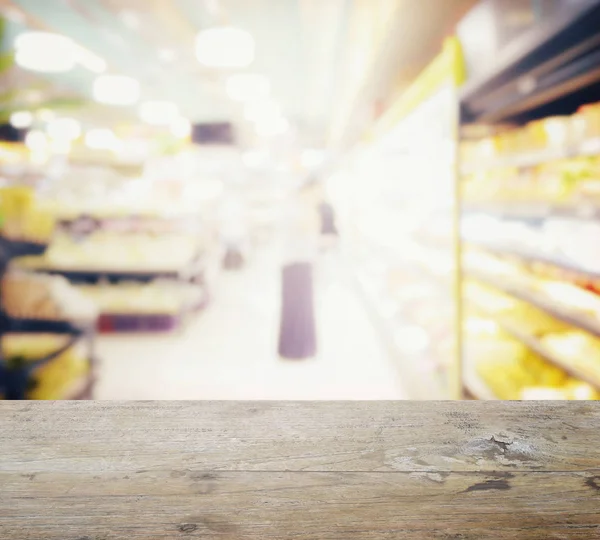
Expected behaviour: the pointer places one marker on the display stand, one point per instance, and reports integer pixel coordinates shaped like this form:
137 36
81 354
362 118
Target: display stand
15 377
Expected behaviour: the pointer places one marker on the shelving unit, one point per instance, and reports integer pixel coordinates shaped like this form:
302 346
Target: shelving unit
409 289
549 71
15 378
551 260
577 320
534 345
535 212
590 147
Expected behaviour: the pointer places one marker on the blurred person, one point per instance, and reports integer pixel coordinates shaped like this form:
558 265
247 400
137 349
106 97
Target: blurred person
297 331
234 233
329 232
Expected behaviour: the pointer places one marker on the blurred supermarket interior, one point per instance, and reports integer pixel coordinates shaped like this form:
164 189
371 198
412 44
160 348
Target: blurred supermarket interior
300 199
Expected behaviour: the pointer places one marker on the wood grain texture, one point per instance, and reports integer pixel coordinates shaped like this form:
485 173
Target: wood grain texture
289 470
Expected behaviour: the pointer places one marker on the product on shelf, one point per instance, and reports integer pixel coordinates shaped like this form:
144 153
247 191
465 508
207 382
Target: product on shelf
578 349
23 217
558 133
157 297
512 371
559 182
27 295
57 379
109 251
575 297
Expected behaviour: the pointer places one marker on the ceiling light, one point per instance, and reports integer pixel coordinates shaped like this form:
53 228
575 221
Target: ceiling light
225 47
21 119
90 61
248 86
35 140
101 139
116 90
45 52
158 113
181 128
64 129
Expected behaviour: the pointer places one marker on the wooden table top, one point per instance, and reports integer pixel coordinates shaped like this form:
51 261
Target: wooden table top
299 470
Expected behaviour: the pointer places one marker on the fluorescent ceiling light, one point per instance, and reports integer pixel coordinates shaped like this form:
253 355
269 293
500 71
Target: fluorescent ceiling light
116 90
64 129
21 119
158 113
101 139
248 87
225 47
181 128
45 52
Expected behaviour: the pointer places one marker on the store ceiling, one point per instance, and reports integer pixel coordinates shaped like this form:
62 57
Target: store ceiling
298 45
317 53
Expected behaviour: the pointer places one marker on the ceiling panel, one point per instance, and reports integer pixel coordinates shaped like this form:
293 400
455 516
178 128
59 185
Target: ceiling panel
316 52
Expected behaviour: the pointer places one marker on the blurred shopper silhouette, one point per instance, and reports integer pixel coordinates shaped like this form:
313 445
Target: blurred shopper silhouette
297 332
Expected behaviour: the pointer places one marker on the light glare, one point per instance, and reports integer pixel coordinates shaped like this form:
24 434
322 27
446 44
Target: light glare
116 90
225 47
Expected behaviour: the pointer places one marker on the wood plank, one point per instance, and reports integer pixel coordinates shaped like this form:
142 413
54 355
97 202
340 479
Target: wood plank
289 470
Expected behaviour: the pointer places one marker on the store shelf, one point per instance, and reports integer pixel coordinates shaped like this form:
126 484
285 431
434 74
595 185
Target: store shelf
551 260
590 147
534 345
550 62
20 248
504 68
533 211
43 326
191 270
577 320
136 323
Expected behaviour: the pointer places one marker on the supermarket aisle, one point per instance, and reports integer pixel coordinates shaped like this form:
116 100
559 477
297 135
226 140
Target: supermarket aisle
229 352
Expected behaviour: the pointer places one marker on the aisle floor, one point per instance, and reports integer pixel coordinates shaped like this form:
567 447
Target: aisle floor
230 350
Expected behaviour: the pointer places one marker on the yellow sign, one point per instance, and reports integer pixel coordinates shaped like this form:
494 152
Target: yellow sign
448 66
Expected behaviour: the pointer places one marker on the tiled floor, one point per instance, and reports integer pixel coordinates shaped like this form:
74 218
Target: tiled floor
230 350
